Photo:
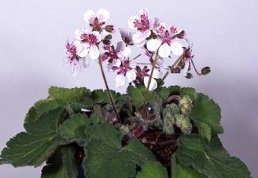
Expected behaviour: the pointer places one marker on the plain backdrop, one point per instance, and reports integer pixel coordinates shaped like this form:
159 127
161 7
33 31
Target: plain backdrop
224 33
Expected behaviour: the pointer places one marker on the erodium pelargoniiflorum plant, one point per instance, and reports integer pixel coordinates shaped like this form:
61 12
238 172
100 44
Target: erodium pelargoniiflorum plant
151 131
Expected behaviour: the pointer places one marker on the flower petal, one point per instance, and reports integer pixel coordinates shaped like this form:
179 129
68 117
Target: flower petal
89 16
103 15
98 35
83 52
131 22
94 52
139 38
143 12
77 34
177 48
131 75
120 80
126 52
157 73
153 44
153 83
164 50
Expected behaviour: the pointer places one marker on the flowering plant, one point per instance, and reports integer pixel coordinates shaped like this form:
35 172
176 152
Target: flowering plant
152 131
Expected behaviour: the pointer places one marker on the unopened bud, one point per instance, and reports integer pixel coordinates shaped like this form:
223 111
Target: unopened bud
185 104
109 28
183 123
205 70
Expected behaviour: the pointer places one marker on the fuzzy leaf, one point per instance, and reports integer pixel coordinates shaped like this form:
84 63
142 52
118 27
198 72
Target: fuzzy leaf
189 92
73 128
179 171
101 96
207 111
211 160
68 95
34 146
61 164
153 169
41 107
107 158
137 95
204 130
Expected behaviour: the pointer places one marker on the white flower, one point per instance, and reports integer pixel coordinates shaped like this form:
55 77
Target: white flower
73 59
102 15
88 42
165 43
142 24
157 74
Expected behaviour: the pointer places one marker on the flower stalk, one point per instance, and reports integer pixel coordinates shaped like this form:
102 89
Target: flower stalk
107 89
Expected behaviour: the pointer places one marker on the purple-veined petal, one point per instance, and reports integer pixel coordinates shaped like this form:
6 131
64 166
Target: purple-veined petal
131 22
103 15
153 44
120 80
94 52
98 36
164 50
177 48
89 16
153 83
143 12
131 75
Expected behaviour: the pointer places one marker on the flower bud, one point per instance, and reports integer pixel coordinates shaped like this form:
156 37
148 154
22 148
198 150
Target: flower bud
185 104
183 123
109 28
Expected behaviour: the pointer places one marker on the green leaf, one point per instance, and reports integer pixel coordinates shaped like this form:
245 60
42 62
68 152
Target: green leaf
211 160
153 169
207 111
61 164
137 95
34 146
73 129
189 92
204 130
68 95
41 107
107 158
101 96
179 171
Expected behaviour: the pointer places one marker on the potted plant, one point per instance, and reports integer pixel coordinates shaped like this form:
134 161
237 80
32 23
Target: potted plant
151 131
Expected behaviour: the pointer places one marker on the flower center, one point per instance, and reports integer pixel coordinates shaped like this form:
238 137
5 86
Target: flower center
89 38
143 24
167 38
124 68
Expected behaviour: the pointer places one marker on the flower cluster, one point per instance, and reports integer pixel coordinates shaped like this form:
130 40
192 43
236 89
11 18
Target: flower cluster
157 42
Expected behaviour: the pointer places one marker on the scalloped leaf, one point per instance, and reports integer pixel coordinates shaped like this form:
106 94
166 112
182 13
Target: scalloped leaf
152 169
68 95
205 110
137 95
179 171
107 158
209 159
41 107
34 146
73 129
61 164
189 92
101 96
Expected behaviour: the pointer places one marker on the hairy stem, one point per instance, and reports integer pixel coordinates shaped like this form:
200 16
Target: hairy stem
174 65
152 69
108 90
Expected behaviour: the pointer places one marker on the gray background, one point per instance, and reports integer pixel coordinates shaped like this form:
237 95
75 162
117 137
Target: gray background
32 37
